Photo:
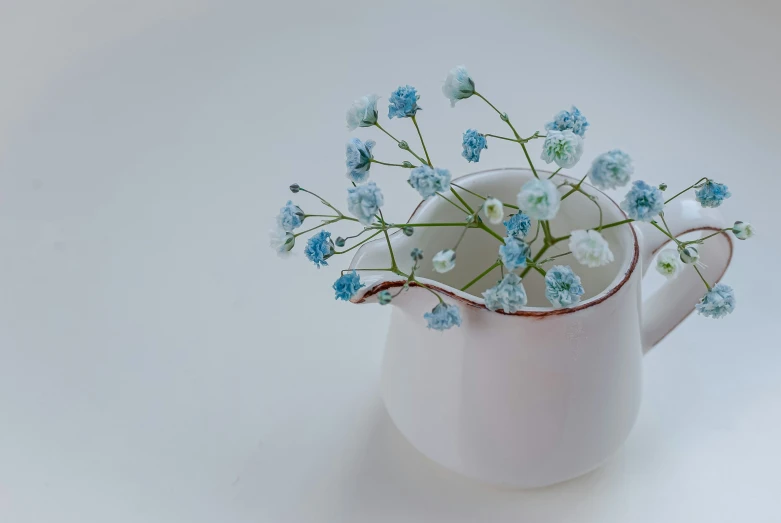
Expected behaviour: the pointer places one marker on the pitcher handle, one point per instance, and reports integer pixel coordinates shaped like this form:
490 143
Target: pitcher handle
670 305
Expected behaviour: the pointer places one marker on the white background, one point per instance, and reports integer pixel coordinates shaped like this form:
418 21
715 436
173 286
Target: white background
159 364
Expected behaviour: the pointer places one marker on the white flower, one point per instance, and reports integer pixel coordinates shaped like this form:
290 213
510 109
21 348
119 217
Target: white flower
668 263
363 112
539 199
444 261
562 147
493 210
590 248
281 241
458 85
743 230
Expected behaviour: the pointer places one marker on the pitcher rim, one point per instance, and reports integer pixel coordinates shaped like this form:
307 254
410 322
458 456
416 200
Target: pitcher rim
454 293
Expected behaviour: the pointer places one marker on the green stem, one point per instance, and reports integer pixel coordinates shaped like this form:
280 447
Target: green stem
319 216
381 128
501 137
359 243
490 231
348 270
387 239
481 275
410 166
420 135
483 197
432 291
446 224
554 173
702 277
322 200
506 119
536 257
539 269
708 236
575 188
608 226
665 232
451 202
463 202
683 191
296 235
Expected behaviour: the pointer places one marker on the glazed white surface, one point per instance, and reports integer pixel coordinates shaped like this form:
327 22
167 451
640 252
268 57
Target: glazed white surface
160 364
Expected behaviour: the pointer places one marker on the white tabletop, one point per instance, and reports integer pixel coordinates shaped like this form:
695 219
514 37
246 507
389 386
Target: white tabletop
159 364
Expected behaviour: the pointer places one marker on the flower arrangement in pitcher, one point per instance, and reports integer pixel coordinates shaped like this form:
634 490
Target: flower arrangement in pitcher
538 199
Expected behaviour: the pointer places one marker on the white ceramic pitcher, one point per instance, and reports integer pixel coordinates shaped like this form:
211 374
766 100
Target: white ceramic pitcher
540 396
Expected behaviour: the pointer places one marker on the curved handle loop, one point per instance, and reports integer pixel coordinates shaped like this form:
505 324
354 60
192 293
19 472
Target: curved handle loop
671 304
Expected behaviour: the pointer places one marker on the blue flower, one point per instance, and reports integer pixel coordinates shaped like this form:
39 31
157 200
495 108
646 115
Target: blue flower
403 102
473 143
347 285
428 181
443 316
717 302
363 112
364 201
571 120
319 248
540 199
508 295
562 286
359 156
514 253
643 202
458 85
611 170
562 147
712 194
518 225
290 217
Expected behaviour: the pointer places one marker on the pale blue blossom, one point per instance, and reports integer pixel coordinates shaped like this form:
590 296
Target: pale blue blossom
428 181
514 253
473 143
364 201
590 248
358 159
403 102
363 112
384 297
443 316
643 202
458 85
290 217
562 147
562 286
540 199
282 242
508 295
571 120
712 194
347 285
518 225
319 248
611 170
717 302
743 230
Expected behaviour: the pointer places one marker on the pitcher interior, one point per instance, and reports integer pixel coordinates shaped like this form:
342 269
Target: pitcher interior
479 250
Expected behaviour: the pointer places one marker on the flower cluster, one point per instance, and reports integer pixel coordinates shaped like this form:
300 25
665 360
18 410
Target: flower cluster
518 254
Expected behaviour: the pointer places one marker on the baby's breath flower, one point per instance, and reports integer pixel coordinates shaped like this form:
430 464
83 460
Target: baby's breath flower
281 241
518 225
290 217
572 120
363 112
458 85
514 253
444 261
562 286
384 297
473 142
493 210
403 102
562 147
590 248
717 302
428 181
319 248
668 263
416 254
611 170
743 230
358 159
443 317
347 285
508 295
539 199
643 202
364 201
712 194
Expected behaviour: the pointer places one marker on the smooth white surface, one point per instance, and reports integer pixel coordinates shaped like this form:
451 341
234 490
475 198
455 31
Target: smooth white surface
160 364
